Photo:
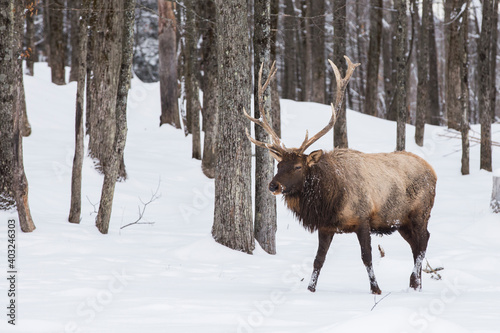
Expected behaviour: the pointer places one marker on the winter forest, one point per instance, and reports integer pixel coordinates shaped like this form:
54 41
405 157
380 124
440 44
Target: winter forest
139 178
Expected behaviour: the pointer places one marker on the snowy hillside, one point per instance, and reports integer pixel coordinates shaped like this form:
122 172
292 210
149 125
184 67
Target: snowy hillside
171 276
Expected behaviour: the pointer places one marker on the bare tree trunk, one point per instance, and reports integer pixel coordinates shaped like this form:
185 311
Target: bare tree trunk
13 182
75 14
423 73
103 67
57 54
493 57
233 223
265 202
167 48
434 111
339 50
30 38
289 78
371 95
464 97
125 74
192 88
401 67
453 65
318 65
76 175
275 98
389 62
210 111
495 194
485 88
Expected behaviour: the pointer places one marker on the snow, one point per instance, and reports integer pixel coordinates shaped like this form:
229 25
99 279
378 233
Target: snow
171 276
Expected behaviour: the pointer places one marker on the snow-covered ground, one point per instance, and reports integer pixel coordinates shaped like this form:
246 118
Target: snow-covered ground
171 276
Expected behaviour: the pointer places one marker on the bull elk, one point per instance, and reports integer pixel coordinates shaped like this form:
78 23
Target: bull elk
344 190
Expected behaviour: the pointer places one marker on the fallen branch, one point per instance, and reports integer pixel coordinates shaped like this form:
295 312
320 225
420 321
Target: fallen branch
433 271
154 197
93 205
376 302
452 134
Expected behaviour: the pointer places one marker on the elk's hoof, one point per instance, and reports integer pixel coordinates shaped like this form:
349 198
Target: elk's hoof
376 291
312 289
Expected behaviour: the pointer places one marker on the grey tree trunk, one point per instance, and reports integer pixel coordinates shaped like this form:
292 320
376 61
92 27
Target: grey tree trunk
76 175
289 78
493 57
495 194
371 95
75 14
453 65
423 73
318 67
13 182
56 42
30 38
401 68
167 49
339 50
434 111
193 107
265 202
233 223
389 62
464 97
125 74
485 86
103 68
210 110
275 98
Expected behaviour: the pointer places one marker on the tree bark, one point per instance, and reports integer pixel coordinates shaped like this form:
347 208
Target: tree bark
125 74
275 97
339 50
30 37
265 202
485 87
13 182
192 87
210 110
167 49
75 14
103 67
76 175
434 111
371 95
423 73
493 57
56 42
388 52
318 65
495 193
233 224
453 65
464 97
401 67
289 78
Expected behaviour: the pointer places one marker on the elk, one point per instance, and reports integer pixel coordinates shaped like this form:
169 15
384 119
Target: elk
347 191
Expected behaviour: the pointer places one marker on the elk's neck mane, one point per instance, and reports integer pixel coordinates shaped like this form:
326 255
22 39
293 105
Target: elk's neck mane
320 200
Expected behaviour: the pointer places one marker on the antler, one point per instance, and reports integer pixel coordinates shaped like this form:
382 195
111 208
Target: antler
341 85
276 148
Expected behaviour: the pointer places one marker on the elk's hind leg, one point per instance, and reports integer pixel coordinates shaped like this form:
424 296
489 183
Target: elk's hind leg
366 255
418 239
325 240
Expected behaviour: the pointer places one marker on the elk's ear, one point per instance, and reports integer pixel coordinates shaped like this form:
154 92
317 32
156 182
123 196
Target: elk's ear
314 157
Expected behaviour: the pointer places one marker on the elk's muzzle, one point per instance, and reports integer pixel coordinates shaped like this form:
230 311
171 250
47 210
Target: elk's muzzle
275 187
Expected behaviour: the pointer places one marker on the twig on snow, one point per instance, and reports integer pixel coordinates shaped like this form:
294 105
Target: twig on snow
433 271
154 197
376 302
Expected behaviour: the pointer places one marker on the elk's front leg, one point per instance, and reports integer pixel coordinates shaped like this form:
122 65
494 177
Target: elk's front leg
366 255
324 244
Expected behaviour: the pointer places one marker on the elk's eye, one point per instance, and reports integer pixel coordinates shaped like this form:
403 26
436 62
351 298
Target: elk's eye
298 167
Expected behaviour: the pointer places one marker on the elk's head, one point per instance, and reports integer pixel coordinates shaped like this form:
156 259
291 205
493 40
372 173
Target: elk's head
293 163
